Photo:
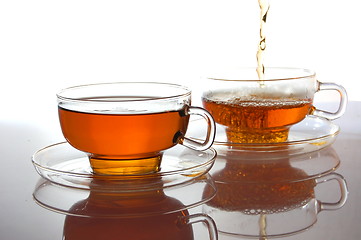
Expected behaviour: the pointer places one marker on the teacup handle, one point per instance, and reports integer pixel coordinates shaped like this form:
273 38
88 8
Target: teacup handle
343 101
344 192
211 130
202 218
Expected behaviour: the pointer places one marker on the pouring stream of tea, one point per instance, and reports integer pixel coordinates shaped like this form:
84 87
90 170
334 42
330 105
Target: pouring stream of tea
264 7
262 225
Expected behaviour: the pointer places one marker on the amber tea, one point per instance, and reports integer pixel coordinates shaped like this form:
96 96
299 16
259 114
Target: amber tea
123 136
258 120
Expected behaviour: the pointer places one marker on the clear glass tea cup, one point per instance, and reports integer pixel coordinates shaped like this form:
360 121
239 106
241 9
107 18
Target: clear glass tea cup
125 126
262 111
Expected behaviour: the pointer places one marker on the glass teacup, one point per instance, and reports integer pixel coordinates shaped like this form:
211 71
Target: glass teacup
125 126
262 111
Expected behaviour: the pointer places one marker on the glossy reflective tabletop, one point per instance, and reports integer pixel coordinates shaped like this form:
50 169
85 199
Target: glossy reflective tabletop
23 218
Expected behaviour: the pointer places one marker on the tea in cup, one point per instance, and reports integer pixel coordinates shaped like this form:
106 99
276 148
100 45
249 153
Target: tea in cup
125 126
262 111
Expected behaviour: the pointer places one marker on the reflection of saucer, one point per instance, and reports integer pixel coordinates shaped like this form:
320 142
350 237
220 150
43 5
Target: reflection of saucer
260 167
311 134
119 203
62 164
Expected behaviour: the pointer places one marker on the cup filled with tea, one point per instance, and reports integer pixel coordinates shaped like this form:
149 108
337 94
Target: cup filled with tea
124 127
255 109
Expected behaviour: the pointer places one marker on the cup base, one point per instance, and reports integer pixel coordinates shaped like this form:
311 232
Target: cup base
107 166
236 135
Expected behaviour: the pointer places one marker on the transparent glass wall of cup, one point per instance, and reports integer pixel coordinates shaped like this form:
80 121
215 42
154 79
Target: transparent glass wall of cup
262 111
125 126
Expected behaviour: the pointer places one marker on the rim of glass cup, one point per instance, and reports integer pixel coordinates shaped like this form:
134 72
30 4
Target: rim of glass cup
61 95
307 73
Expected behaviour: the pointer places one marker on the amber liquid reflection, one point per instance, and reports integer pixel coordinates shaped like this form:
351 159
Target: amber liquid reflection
261 188
129 217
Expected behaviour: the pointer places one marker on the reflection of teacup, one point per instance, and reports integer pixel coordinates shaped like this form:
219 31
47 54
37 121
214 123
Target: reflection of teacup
255 111
169 226
117 214
267 197
124 127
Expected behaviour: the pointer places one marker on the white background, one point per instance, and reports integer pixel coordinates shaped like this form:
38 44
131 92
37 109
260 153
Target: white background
46 45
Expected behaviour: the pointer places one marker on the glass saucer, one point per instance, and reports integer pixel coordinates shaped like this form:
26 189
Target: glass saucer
62 164
123 204
311 134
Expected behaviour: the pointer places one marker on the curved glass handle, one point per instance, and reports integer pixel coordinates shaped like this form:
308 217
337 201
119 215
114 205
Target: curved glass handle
211 130
202 218
344 192
343 101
